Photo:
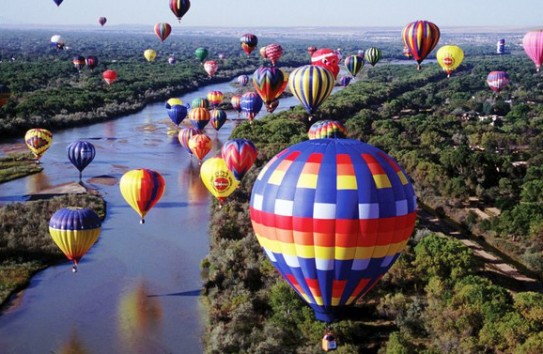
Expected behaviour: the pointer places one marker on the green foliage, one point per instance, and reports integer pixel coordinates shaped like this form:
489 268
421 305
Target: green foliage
17 165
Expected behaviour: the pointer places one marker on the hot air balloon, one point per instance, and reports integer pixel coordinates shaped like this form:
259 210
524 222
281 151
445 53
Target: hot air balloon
75 231
272 106
217 178
497 80
326 58
532 42
57 41
200 145
407 53
235 101
184 136
179 8
177 113
218 118
81 153
327 129
199 117
420 37
248 42
372 55
243 80
360 53
162 30
273 52
38 141
58 2
215 98
500 46
110 76
173 101
344 212
211 67
311 49
354 64
102 20
201 54
91 62
269 83
311 85
251 104
5 94
172 60
345 81
200 102
150 55
449 58
239 156
262 52
142 189
79 62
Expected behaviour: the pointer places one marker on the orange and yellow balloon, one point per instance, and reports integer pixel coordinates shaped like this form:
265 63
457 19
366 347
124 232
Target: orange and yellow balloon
38 141
449 57
217 178
142 189
200 145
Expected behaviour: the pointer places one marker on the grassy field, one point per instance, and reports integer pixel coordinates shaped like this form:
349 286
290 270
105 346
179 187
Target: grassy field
17 165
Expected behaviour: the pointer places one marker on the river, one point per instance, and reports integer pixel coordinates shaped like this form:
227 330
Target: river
137 289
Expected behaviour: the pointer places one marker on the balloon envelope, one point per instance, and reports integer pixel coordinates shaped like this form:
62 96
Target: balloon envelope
449 57
251 104
532 42
211 67
248 42
354 64
102 20
497 80
218 118
162 30
179 7
110 76
150 55
81 153
239 155
200 145
38 141
332 215
311 85
177 113
201 54
327 129
420 37
326 58
74 231
269 83
142 189
217 178
184 136
372 55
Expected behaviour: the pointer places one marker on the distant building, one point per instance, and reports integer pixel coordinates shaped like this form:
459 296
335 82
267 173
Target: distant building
500 46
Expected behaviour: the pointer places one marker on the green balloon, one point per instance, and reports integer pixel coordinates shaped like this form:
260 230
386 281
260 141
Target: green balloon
201 54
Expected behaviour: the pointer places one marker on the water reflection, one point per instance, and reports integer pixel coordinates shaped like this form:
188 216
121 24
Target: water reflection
139 319
189 180
74 345
37 182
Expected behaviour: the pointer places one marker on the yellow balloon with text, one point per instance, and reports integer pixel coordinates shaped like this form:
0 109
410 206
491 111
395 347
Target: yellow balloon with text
217 178
449 57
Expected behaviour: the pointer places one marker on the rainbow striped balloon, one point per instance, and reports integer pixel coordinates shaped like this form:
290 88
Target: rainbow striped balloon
332 215
142 189
420 37
218 118
311 85
199 117
327 129
239 156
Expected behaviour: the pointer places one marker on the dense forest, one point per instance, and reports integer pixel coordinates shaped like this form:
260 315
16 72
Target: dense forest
474 157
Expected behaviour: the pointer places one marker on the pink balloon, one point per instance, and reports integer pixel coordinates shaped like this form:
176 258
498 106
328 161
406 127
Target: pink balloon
533 46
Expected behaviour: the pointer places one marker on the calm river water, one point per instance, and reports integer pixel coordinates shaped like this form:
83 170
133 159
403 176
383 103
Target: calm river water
137 289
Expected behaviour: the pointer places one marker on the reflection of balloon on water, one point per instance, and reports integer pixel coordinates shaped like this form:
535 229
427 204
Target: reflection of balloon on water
162 30
150 55
251 104
326 58
184 136
343 215
239 156
38 141
110 76
497 80
327 129
81 153
199 117
311 85
102 20
218 118
217 178
179 8
142 188
420 37
449 57
532 42
211 67
372 55
248 42
74 231
354 64
200 145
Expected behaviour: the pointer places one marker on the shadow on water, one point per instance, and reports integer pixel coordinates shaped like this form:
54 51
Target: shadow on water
196 292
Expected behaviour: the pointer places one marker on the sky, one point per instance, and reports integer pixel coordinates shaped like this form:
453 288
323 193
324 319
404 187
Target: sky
284 13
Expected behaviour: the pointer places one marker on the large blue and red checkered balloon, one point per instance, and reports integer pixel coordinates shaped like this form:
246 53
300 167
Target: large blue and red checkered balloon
332 215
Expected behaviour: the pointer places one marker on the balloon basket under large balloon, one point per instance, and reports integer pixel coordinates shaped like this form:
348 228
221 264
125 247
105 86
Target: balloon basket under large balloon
419 67
142 221
74 268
